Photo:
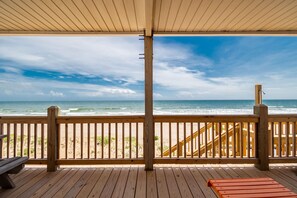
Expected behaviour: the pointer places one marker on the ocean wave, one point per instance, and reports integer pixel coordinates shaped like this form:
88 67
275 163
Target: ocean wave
137 108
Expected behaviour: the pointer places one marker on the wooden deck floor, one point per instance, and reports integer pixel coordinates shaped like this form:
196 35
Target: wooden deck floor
133 181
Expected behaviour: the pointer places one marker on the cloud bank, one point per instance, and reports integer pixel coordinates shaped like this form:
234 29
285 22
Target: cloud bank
105 68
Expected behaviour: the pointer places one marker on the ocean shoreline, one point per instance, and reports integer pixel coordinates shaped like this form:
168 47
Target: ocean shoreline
136 107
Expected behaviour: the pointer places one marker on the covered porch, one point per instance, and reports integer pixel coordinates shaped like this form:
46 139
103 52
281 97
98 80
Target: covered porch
259 139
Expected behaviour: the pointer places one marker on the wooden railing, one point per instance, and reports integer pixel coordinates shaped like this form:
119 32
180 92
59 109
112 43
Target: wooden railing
205 139
61 140
98 139
26 136
282 138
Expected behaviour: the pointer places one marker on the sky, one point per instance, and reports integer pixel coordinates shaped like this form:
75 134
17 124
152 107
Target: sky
109 68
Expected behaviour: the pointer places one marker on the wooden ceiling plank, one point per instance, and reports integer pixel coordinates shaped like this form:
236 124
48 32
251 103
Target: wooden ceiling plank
201 10
241 12
68 14
283 23
149 17
217 15
287 15
19 20
229 33
96 14
249 14
212 9
105 15
112 12
223 17
19 8
166 4
290 23
257 14
130 13
291 26
76 15
184 8
173 12
58 9
272 15
195 4
123 12
86 15
3 28
22 19
66 33
8 25
157 12
235 11
12 20
38 14
48 10
140 14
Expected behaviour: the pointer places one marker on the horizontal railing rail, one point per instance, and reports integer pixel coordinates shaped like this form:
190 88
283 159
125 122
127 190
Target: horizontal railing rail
206 118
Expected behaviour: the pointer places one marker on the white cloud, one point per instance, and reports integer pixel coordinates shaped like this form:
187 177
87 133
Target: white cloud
39 89
179 55
54 93
111 57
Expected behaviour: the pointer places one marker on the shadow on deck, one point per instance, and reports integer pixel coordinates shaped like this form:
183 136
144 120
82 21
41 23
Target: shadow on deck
133 181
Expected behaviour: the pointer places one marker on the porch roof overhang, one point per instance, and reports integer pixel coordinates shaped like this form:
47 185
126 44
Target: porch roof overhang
160 17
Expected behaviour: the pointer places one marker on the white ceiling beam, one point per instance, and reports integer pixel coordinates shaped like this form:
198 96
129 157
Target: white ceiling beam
66 33
230 33
149 17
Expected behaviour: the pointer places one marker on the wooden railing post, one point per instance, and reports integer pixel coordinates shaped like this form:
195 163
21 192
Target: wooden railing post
52 138
148 119
261 137
258 94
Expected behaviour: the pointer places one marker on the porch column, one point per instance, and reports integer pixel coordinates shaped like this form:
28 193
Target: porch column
52 138
148 119
261 137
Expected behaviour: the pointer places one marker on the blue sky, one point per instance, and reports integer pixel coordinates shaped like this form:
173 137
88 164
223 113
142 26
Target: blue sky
109 68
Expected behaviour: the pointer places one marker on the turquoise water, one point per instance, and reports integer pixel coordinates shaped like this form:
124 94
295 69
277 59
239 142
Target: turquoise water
137 107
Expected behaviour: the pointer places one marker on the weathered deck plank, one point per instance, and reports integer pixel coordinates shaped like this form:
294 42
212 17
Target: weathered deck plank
171 182
163 181
99 186
121 184
182 184
87 188
141 183
131 183
151 186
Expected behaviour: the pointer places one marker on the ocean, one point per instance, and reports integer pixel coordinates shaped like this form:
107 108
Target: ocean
164 107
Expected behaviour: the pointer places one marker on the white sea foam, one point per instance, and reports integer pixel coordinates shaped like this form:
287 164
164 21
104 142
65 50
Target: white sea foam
137 107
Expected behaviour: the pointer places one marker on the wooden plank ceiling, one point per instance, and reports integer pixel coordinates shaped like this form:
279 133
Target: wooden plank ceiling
158 16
